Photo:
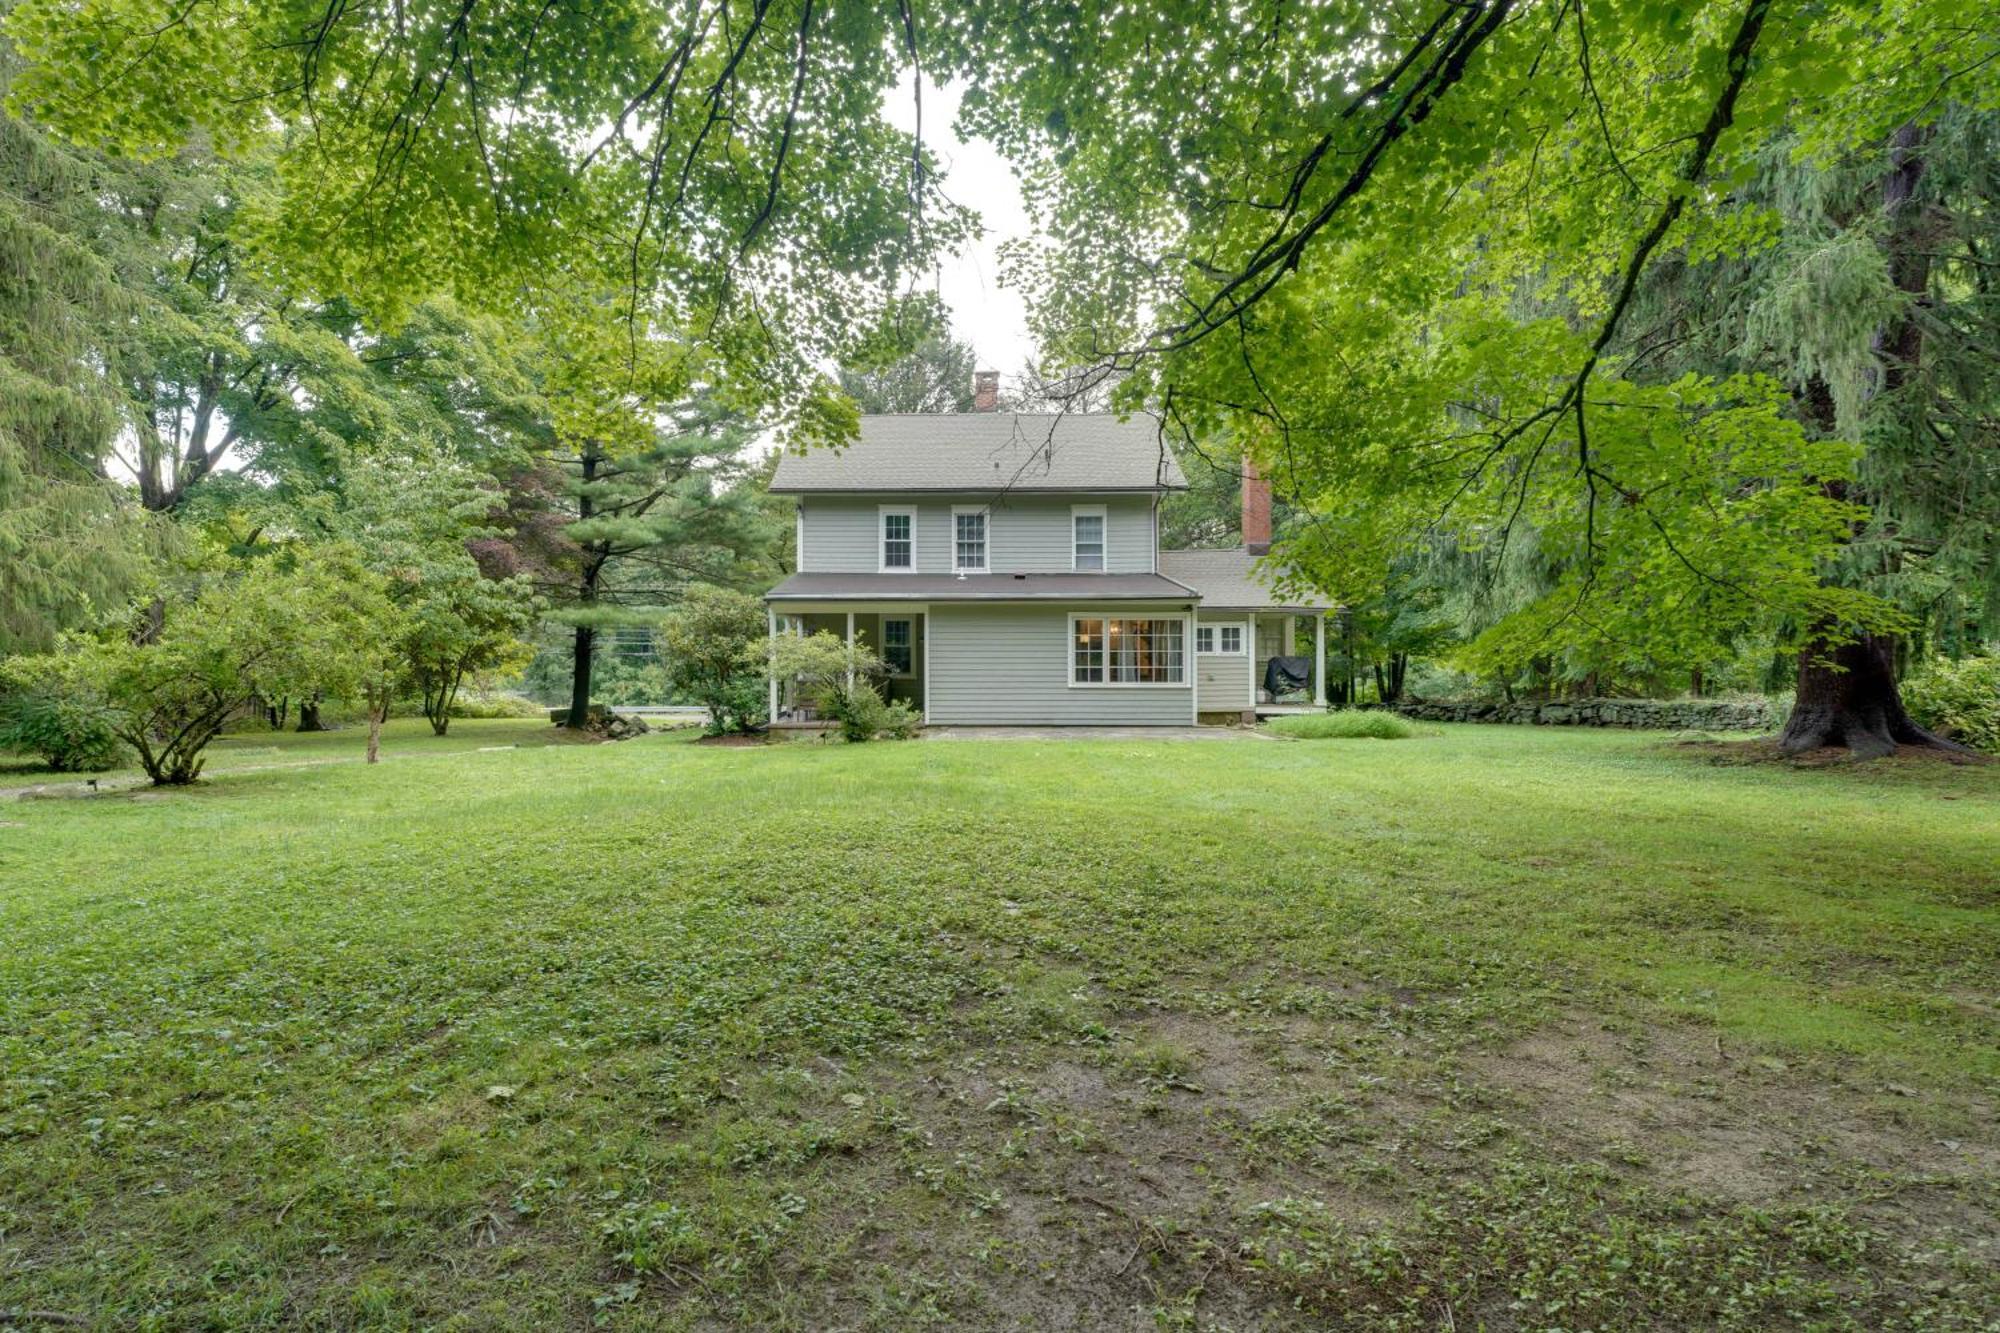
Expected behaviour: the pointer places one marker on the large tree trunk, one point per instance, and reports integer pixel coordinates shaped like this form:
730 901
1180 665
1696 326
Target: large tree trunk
586 636
1847 694
579 679
309 715
1848 697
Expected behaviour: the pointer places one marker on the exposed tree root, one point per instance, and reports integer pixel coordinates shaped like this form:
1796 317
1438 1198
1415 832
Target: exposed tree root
1847 699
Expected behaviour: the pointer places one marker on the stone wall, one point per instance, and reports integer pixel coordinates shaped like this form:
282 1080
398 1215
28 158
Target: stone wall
1645 714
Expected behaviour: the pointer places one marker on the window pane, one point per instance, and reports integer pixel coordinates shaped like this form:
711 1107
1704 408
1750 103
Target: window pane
898 551
1204 638
896 646
1089 541
970 552
1232 639
1089 652
1143 652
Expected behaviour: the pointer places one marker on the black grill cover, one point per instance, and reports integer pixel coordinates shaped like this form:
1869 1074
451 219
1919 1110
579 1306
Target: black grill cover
1282 675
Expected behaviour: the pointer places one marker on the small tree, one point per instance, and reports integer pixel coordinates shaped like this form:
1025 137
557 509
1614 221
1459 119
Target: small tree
456 623
838 677
712 655
409 513
319 626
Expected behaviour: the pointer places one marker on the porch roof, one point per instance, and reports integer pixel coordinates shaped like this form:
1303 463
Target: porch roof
980 588
1230 580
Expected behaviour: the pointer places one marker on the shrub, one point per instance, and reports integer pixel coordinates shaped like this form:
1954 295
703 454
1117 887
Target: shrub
859 713
1959 699
902 720
322 628
481 707
834 675
1350 724
711 642
71 735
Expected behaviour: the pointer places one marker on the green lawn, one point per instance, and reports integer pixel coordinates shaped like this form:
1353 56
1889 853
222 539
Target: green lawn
1490 1027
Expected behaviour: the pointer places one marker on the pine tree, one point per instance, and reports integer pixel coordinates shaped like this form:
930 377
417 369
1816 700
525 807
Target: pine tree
69 547
611 532
1877 309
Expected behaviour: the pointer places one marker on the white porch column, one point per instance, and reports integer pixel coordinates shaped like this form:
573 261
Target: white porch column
1319 660
770 659
850 652
1250 657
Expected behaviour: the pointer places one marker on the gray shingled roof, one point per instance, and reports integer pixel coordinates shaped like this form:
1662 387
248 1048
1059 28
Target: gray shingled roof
979 588
1229 580
990 451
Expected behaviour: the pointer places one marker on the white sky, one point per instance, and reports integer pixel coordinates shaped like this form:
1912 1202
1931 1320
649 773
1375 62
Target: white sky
990 317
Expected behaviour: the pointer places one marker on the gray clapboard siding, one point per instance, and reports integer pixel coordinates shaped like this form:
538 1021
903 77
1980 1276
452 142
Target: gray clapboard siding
1224 680
1025 534
1009 666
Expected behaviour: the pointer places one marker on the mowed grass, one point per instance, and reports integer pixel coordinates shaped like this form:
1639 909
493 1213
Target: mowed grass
1496 1026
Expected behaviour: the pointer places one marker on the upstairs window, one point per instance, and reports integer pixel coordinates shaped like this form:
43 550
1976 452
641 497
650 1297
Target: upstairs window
1086 525
969 540
899 539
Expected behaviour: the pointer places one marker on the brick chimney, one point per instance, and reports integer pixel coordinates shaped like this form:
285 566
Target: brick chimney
986 391
1256 509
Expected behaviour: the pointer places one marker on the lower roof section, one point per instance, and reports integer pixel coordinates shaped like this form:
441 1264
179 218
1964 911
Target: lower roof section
980 588
1233 580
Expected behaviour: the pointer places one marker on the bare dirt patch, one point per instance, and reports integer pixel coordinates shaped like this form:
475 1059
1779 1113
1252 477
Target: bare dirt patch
1108 1184
1673 1106
1764 750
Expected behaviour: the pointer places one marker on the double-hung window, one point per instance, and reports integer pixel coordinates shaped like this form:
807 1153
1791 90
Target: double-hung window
896 647
899 538
1116 650
968 529
1087 537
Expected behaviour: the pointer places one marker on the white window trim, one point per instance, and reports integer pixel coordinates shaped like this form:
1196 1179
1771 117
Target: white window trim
1081 511
1187 643
911 621
985 545
799 538
882 565
1243 637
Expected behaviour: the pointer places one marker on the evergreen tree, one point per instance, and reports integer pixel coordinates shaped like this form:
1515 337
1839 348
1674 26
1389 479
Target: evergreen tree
1876 306
612 525
70 550
936 376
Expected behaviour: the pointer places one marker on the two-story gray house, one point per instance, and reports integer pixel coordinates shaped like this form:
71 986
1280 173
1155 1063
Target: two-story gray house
1007 569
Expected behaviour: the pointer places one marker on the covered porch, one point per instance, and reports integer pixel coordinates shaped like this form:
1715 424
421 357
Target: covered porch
895 633
1290 635
1234 651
